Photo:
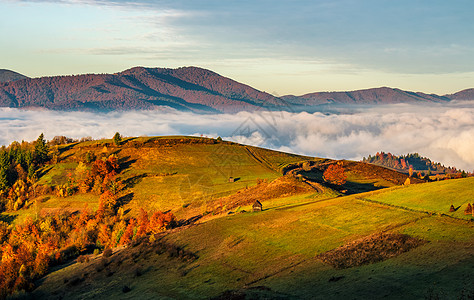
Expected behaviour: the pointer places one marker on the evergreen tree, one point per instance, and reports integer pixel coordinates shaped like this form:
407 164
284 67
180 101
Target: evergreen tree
4 165
117 139
31 172
3 179
41 150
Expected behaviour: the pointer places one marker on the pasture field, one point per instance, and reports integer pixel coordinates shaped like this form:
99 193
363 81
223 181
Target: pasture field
272 254
435 197
278 249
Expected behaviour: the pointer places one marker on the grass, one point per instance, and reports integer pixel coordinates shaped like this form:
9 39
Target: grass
434 197
277 247
57 174
51 204
182 174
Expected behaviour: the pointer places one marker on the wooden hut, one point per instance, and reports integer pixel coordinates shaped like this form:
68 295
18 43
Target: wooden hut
257 206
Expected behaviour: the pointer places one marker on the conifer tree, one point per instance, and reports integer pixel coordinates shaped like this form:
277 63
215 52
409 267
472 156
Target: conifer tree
3 179
117 139
41 150
4 165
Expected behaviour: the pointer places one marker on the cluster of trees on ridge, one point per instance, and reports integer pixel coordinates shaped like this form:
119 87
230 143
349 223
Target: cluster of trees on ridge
413 164
29 249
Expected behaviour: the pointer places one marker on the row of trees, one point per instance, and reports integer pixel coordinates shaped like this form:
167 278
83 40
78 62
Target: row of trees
28 250
411 160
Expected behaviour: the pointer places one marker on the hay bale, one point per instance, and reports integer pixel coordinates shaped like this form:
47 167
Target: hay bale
468 209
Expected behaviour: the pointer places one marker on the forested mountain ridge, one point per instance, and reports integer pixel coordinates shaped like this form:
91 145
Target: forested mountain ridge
187 89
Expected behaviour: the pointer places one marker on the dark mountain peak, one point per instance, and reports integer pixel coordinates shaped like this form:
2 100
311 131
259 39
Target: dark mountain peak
8 76
186 88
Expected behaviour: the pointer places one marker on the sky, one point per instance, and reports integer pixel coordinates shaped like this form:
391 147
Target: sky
281 47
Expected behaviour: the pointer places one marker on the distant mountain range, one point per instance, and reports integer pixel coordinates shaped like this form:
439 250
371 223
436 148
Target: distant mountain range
383 95
188 88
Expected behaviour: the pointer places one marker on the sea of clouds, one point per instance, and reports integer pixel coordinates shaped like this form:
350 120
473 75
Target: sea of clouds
444 133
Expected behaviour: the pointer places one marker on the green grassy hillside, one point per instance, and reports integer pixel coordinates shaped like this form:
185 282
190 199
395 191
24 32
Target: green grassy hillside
434 197
183 174
274 254
278 249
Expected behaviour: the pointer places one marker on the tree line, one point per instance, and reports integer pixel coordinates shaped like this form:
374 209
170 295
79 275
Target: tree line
412 163
30 248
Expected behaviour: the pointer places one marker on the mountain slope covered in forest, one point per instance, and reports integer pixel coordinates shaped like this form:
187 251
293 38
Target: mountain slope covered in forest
187 88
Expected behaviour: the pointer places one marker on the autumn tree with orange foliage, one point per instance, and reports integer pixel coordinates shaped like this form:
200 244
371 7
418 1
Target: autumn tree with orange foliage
335 174
101 177
29 249
160 221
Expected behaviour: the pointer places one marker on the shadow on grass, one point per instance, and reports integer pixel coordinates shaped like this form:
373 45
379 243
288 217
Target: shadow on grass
132 181
126 162
43 171
67 147
189 221
356 187
8 218
125 199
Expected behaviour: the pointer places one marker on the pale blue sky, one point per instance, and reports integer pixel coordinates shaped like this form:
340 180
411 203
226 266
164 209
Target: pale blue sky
282 47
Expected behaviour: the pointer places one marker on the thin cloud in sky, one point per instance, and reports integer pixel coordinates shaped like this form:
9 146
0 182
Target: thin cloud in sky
353 31
442 133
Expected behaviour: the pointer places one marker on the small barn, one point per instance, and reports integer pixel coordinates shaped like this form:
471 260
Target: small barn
257 206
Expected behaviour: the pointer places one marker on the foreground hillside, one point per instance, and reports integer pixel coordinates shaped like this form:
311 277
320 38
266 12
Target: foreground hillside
190 176
274 255
181 226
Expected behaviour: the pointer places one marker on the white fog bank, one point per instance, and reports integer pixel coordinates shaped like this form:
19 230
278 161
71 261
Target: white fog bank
442 133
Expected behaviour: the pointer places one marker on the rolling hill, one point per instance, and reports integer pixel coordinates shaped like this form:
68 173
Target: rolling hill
187 88
369 238
192 175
